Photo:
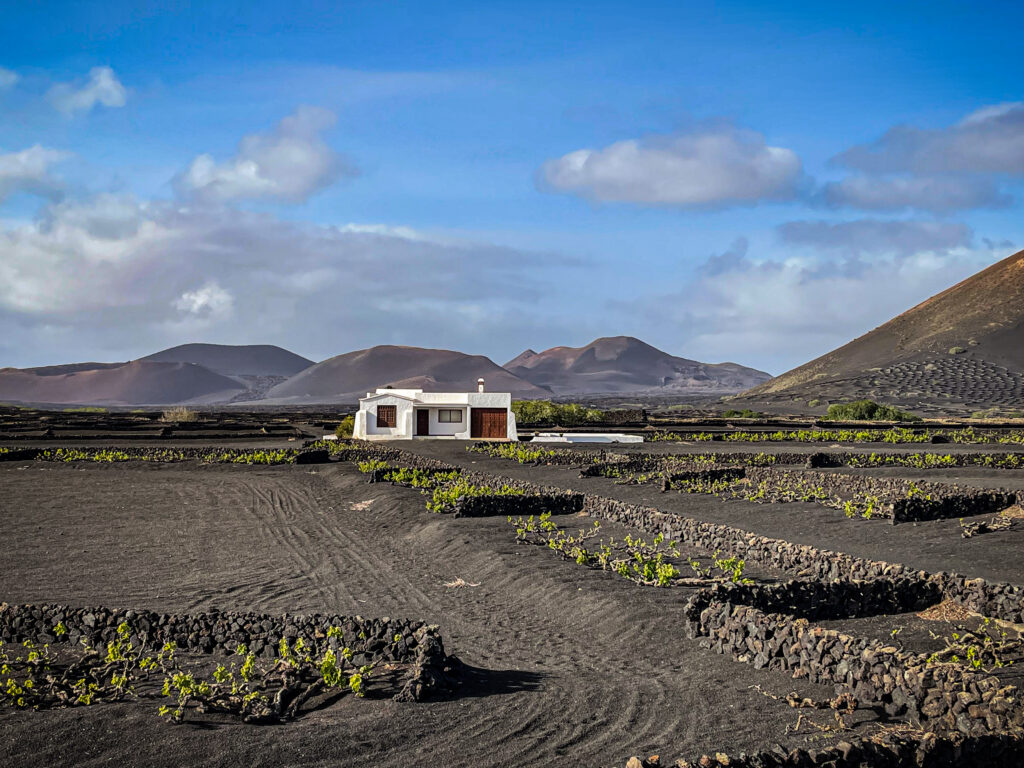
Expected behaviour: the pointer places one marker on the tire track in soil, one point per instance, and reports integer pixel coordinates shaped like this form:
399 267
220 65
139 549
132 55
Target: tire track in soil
487 633
557 718
326 564
566 662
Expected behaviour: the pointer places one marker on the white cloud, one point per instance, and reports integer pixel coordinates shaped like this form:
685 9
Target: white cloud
209 301
7 78
103 87
29 171
989 140
289 164
713 166
114 273
937 194
777 312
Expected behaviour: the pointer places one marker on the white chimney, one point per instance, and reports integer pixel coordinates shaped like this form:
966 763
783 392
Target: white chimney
479 385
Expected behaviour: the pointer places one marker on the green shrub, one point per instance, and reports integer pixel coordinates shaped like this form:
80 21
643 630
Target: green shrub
445 497
558 414
746 413
867 410
344 430
957 350
371 465
514 451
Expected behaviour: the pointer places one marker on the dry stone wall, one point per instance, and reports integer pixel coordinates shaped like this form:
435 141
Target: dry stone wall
996 600
373 640
900 500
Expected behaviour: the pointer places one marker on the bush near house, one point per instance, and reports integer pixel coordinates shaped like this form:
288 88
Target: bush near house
528 412
867 410
344 429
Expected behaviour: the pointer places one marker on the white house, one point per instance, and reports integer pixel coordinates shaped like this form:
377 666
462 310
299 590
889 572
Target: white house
405 414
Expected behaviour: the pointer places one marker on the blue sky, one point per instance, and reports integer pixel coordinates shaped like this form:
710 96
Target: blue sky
729 181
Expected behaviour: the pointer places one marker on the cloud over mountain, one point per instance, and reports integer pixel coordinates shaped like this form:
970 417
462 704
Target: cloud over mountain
832 283
125 274
717 165
289 164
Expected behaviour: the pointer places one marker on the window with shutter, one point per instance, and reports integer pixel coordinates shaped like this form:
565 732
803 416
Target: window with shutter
387 415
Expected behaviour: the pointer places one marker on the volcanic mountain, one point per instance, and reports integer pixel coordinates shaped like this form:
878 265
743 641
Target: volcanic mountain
347 377
961 349
229 360
626 364
137 383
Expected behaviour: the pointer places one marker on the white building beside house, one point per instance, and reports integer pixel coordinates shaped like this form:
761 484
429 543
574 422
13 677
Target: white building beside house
405 414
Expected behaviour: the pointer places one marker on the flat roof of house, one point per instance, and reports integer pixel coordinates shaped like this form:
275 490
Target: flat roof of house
432 398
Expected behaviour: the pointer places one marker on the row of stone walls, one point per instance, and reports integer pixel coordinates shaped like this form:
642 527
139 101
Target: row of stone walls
942 697
996 600
815 600
900 500
376 640
769 626
209 632
897 748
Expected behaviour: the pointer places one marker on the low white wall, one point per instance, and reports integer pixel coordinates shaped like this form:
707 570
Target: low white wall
441 428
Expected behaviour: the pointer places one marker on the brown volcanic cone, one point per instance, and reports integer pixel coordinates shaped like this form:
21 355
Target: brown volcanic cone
963 348
347 377
626 364
138 383
235 360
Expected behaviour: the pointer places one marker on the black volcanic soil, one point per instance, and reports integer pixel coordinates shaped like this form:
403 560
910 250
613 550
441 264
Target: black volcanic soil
565 663
932 546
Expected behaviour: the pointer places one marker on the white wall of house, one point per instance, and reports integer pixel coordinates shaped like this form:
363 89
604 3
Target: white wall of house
457 429
366 427
407 402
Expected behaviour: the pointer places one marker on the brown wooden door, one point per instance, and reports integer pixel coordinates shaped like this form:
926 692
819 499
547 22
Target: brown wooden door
422 421
489 423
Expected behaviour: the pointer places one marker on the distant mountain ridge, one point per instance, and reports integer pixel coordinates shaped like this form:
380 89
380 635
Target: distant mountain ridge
962 347
231 360
626 364
224 374
347 377
135 383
